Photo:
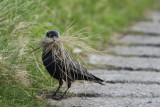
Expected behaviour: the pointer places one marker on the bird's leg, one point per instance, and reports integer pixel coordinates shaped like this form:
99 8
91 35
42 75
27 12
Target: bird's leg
69 85
60 84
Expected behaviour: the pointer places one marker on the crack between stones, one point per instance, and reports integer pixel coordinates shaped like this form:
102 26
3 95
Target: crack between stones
132 82
131 69
143 33
139 44
141 56
95 95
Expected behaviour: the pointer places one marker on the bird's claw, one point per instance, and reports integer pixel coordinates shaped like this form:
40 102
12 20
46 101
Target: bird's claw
54 94
58 97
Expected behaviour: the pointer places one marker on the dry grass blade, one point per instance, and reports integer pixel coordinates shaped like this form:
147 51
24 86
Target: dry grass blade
59 45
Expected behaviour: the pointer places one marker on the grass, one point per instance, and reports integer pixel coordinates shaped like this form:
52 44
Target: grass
23 23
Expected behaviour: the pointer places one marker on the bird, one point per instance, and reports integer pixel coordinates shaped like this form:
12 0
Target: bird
64 69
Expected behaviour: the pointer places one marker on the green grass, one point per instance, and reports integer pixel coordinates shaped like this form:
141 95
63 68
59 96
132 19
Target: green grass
23 23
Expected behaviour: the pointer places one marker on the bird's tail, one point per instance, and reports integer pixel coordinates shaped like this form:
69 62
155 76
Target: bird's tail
98 80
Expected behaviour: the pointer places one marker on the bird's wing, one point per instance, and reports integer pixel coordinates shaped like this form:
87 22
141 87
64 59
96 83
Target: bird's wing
80 73
76 70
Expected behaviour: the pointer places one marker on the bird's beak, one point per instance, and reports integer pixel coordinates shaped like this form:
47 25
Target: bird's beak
54 38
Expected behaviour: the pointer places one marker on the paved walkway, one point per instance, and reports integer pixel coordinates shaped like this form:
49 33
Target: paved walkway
135 72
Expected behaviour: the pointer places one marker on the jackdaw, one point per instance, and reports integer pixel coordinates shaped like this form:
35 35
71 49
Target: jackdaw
62 66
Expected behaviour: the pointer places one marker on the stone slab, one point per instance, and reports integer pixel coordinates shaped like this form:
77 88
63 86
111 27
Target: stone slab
131 63
107 102
126 76
116 90
147 28
149 51
141 40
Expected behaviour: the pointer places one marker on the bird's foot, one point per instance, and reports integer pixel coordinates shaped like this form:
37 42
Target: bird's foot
60 97
54 94
56 97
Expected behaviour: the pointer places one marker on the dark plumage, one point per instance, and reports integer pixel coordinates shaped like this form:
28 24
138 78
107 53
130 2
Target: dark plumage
62 66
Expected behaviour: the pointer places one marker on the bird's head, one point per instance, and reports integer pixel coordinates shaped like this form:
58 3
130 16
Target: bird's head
52 34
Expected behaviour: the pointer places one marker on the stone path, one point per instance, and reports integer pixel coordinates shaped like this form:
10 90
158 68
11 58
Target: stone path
132 77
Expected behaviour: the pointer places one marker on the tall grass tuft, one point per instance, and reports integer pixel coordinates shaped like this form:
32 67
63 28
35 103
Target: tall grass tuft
14 30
